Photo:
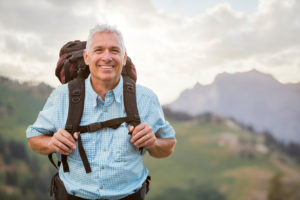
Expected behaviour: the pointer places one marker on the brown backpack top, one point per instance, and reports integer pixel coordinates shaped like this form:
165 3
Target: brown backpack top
71 62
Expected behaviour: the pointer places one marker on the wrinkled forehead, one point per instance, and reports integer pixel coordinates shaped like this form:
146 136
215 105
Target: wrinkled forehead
106 39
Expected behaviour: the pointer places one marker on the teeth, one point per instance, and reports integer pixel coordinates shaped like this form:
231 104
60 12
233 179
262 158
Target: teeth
106 67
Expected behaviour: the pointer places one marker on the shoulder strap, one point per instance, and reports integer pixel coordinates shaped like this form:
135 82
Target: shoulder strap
129 92
76 104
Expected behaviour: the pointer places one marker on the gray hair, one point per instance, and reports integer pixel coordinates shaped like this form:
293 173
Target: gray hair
104 28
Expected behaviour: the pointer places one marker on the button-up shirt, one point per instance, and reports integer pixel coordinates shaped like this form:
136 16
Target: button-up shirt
117 167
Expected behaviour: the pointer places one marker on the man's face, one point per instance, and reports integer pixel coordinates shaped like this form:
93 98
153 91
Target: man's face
105 58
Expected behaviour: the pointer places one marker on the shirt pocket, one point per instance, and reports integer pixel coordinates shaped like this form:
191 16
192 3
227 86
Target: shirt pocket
89 146
123 149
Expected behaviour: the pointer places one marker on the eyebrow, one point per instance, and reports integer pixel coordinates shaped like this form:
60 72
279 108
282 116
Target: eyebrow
112 47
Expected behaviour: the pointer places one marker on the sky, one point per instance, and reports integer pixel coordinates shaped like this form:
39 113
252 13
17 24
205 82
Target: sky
173 43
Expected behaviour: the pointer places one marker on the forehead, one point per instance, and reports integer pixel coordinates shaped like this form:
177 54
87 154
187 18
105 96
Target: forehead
105 40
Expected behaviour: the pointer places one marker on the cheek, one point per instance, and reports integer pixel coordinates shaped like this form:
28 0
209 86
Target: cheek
93 59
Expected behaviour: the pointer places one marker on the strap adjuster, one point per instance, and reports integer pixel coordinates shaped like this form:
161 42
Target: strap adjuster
69 128
129 87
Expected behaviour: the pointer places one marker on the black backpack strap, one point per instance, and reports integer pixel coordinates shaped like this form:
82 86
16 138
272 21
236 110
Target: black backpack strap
129 92
52 162
76 104
112 123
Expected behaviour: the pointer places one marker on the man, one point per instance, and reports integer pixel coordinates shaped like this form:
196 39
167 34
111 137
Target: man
114 157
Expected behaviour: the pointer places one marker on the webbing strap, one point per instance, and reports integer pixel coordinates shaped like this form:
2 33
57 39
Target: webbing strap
129 92
83 156
113 123
52 162
76 103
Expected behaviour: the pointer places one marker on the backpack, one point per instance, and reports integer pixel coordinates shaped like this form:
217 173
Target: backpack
71 69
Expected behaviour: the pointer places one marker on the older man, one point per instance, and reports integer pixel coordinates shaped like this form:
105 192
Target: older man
114 157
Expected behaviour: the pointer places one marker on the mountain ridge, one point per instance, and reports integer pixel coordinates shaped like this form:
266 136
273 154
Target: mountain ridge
251 97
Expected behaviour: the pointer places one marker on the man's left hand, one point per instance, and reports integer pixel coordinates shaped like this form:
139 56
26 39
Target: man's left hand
142 135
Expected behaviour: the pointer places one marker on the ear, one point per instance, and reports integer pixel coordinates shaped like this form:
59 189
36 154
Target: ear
85 57
125 59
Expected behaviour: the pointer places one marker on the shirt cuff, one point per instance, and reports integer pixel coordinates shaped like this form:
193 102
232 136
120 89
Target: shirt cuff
166 131
33 132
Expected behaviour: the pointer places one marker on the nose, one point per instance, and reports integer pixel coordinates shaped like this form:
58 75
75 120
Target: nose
106 56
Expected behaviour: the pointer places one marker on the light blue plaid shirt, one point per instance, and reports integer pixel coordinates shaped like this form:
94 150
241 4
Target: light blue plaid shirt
117 167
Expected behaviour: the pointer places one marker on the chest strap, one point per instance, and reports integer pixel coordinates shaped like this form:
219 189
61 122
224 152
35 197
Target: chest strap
113 123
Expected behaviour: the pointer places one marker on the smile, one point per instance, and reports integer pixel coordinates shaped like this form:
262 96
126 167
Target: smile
105 67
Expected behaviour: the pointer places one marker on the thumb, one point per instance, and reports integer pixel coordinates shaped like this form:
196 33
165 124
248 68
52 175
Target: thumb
130 128
76 135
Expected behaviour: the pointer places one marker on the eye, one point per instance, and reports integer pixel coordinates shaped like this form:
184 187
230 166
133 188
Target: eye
115 50
98 50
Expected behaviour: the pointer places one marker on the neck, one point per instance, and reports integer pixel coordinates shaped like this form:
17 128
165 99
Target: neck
102 87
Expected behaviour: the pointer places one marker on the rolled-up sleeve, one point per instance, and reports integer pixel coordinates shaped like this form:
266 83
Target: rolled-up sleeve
155 118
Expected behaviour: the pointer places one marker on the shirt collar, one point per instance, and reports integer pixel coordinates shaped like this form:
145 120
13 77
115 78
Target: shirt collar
117 91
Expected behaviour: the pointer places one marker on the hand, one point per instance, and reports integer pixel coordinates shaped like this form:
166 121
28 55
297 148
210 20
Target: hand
62 142
142 135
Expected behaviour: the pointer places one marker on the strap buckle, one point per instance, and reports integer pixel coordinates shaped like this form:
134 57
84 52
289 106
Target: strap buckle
129 87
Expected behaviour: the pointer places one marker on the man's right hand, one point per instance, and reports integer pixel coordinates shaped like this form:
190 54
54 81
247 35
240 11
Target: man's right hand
62 142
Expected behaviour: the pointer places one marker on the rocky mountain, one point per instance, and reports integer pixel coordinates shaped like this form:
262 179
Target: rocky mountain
253 98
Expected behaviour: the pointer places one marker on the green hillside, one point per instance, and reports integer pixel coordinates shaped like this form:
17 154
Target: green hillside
23 174
230 163
19 106
215 158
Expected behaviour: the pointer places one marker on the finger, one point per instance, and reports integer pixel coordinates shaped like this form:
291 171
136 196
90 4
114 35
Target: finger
76 135
67 135
56 148
130 128
61 137
147 143
138 135
61 151
142 140
138 128
62 147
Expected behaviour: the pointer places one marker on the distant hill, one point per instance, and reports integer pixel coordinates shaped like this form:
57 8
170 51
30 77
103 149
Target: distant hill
252 98
23 174
20 104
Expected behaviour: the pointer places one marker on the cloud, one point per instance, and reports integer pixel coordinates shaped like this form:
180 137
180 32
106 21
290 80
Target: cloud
171 52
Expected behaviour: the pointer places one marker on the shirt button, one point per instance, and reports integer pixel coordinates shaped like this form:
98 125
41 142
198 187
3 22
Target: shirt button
105 129
98 98
104 149
102 167
105 110
101 187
